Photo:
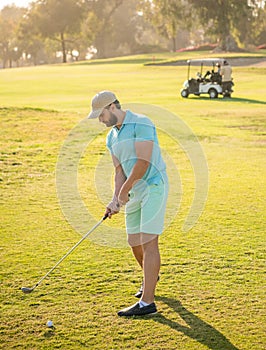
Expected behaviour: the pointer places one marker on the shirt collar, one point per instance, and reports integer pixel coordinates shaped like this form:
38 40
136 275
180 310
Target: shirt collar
127 119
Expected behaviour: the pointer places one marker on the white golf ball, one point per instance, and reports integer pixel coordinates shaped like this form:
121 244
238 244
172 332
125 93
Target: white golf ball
50 324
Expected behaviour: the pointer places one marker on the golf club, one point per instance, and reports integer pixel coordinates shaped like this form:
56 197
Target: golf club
28 290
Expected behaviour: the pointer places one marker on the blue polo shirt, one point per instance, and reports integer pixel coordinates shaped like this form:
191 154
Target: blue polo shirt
121 143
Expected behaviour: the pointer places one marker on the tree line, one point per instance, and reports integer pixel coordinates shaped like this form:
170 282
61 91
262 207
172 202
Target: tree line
52 30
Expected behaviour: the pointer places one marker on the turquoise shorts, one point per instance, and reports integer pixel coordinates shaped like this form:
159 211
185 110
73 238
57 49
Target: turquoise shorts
145 210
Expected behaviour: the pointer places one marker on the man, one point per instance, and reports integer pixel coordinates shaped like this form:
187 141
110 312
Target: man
140 184
226 74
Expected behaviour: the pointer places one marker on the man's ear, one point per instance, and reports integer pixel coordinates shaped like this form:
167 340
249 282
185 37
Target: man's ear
112 107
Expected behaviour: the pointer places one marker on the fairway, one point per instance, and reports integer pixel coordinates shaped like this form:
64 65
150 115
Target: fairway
211 293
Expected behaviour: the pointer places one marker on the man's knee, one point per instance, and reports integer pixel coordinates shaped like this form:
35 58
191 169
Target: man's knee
144 239
149 240
134 240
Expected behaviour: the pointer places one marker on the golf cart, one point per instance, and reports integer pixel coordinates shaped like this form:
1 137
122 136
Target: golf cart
210 83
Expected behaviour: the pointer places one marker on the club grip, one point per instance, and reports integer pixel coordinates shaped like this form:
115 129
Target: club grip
105 216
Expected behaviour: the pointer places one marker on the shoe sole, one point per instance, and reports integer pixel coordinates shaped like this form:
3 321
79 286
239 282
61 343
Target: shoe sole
150 314
138 295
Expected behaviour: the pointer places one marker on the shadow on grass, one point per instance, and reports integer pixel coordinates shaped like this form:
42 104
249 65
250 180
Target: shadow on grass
245 100
118 61
231 100
50 333
196 328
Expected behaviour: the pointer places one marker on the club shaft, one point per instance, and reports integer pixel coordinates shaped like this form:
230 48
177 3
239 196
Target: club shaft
70 251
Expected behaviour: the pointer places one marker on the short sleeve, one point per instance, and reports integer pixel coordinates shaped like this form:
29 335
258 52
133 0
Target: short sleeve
144 130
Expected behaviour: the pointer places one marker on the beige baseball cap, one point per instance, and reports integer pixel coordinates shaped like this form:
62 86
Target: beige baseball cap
99 102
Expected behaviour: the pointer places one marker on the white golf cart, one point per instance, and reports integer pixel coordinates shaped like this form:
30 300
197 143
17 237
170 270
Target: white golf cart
210 83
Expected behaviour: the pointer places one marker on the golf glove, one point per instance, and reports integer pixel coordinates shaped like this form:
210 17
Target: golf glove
114 205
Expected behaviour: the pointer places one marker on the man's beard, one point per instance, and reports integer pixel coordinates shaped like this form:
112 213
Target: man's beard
112 121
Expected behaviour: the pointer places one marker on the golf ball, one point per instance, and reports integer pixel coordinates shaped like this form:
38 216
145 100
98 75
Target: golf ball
50 324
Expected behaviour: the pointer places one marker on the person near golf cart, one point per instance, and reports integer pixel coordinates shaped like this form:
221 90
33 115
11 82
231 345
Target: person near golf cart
140 184
212 77
209 83
218 68
226 74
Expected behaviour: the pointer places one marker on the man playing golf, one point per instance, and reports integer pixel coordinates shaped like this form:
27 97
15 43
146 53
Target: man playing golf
140 184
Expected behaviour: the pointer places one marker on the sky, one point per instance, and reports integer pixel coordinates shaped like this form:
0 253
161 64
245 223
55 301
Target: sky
19 3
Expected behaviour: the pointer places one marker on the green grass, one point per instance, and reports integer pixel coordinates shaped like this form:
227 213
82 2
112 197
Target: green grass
212 289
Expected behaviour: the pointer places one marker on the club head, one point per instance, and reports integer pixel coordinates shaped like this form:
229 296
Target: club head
27 290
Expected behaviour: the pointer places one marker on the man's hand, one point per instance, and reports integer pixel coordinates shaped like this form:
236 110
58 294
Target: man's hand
123 196
113 207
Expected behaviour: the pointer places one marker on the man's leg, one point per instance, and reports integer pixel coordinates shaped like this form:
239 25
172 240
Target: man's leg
151 266
137 250
138 254
150 219
147 254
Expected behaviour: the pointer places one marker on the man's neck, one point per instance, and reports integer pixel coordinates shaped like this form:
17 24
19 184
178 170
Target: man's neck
120 118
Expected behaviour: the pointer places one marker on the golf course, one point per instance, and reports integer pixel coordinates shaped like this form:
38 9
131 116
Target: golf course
57 177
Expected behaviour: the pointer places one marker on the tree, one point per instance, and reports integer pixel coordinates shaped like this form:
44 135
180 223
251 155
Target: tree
57 20
223 19
31 42
89 28
260 27
168 16
123 32
256 33
10 49
104 11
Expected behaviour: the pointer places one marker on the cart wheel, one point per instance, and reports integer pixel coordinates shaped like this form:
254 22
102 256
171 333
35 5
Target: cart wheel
184 93
213 93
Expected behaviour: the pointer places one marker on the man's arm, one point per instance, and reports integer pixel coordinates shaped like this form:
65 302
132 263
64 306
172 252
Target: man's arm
113 207
143 154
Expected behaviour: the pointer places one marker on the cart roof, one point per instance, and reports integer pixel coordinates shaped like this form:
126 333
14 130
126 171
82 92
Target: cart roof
205 61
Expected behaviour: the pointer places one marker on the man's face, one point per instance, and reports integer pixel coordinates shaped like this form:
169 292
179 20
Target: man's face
108 118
